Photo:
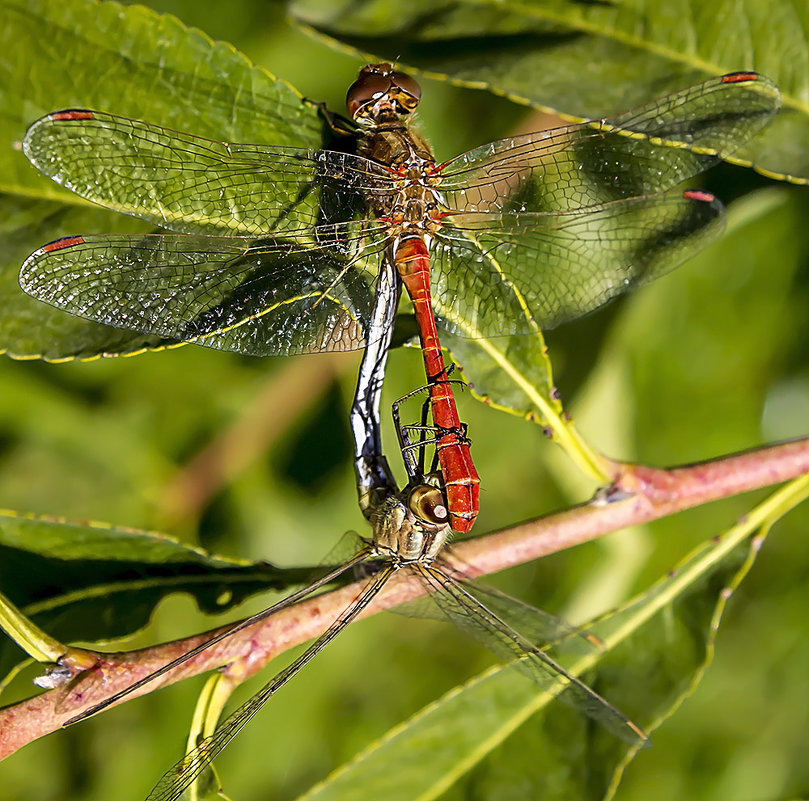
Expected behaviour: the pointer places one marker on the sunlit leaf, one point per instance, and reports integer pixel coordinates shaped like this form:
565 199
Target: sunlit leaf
83 55
589 60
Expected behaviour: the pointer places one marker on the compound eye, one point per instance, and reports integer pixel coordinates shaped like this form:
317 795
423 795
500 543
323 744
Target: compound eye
408 85
365 89
429 504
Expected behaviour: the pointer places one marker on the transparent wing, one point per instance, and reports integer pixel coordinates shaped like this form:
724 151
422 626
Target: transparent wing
225 634
471 616
499 274
649 149
195 185
268 297
177 778
538 626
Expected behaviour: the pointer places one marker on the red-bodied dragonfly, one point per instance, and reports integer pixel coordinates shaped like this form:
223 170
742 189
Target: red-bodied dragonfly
410 530
280 246
410 534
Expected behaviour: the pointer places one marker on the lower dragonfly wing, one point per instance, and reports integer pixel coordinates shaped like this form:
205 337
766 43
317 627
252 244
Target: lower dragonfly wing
538 626
174 781
257 297
501 274
476 619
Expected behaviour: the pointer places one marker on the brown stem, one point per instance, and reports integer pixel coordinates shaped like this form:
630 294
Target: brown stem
638 494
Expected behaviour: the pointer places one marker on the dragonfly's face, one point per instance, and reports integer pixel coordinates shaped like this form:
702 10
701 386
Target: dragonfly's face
427 501
381 94
413 526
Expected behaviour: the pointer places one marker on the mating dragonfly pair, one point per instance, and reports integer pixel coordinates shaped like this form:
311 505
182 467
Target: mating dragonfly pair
285 250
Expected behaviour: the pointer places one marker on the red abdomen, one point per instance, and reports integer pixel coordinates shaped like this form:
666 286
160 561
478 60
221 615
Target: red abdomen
460 476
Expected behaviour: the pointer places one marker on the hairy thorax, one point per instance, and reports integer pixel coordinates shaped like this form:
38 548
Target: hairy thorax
414 206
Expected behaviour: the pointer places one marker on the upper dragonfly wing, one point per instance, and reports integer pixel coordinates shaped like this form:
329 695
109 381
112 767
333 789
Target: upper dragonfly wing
195 185
501 274
262 298
649 149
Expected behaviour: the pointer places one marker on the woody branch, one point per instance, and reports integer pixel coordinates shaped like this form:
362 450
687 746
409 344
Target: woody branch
637 495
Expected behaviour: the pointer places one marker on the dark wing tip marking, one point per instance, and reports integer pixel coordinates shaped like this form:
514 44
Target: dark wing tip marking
70 114
698 194
61 244
740 77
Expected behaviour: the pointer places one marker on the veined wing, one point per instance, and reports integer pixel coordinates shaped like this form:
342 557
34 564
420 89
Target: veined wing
538 626
471 616
284 603
266 297
501 274
176 779
649 149
195 185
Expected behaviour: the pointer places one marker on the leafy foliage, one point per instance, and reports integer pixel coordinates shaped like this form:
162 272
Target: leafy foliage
93 582
709 360
588 59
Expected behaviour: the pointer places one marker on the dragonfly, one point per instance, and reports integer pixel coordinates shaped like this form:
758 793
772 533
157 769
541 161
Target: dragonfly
277 250
410 534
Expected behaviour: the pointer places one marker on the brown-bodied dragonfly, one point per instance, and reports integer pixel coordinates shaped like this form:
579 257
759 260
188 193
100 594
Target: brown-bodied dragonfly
280 247
410 535
410 531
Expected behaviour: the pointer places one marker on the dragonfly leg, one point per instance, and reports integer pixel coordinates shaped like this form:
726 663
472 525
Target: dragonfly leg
417 437
404 432
338 124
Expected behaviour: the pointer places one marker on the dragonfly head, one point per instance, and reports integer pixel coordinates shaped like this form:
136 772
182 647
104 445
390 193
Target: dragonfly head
428 502
413 526
382 94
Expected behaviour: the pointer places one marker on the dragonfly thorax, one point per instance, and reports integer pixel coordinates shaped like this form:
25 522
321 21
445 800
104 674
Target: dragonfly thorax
415 205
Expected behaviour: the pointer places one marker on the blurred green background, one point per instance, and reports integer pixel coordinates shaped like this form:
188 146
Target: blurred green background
710 360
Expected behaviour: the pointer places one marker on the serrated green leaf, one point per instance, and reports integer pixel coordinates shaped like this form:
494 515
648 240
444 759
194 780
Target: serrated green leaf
589 60
132 61
655 650
514 374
